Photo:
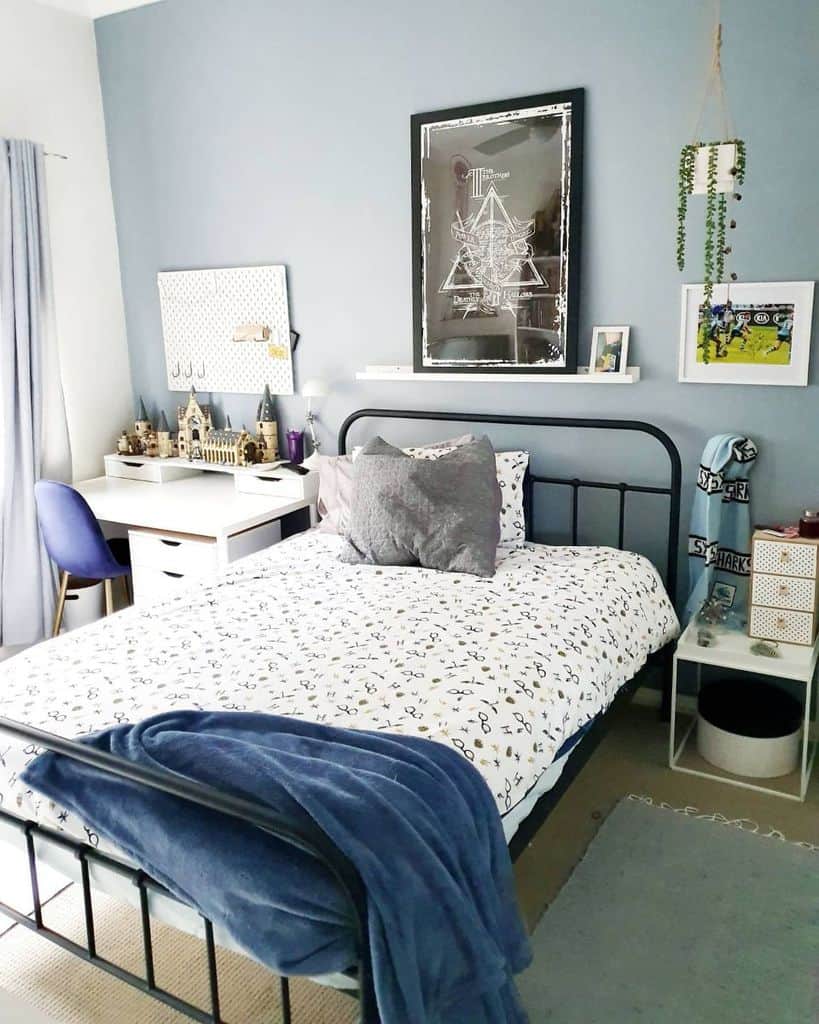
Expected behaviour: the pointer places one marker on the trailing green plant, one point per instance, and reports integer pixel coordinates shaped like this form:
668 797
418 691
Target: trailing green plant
685 188
721 248
710 207
716 209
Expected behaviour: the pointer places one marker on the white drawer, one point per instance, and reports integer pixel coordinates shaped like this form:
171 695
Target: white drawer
795 592
774 556
125 470
154 471
171 552
786 626
279 485
155 585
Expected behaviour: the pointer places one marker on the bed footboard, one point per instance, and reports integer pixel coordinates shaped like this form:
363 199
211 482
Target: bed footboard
315 842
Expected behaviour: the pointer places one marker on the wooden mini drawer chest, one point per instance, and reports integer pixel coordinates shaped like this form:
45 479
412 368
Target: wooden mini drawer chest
784 591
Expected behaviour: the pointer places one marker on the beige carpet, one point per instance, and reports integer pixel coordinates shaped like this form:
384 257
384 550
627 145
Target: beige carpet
71 992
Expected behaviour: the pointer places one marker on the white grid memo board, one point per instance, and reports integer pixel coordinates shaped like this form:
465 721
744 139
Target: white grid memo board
201 310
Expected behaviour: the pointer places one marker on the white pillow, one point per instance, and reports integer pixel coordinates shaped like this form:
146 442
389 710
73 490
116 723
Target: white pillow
335 492
511 469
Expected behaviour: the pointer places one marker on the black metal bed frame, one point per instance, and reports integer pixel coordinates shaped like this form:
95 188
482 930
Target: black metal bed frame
314 841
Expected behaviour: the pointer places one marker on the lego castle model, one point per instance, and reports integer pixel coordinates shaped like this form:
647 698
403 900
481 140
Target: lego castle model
197 438
195 423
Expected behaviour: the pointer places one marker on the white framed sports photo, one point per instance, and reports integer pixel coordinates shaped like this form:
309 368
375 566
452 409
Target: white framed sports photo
753 334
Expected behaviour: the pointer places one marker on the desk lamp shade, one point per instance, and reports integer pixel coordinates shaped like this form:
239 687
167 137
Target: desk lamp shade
314 388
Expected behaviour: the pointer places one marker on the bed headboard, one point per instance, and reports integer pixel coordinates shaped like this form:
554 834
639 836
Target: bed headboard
576 484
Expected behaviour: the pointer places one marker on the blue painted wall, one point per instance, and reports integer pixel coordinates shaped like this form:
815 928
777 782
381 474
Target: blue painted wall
248 131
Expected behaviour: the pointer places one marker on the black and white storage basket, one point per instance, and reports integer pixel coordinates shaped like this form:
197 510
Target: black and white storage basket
749 728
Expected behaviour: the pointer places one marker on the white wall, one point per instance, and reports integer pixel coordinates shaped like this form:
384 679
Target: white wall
49 92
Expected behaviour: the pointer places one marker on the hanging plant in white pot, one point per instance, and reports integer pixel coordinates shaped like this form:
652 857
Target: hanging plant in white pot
713 169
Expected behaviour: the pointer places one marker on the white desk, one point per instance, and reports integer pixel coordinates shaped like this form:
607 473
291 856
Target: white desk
188 527
206 505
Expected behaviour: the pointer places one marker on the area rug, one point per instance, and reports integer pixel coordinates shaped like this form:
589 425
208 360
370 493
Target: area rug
672 919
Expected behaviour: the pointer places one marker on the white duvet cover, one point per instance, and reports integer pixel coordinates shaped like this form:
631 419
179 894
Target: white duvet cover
503 669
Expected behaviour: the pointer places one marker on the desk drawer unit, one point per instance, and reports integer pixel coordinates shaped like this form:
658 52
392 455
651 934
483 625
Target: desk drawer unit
154 471
170 552
784 590
163 562
279 485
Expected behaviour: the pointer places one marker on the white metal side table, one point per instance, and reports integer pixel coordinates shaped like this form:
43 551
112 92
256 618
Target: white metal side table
731 649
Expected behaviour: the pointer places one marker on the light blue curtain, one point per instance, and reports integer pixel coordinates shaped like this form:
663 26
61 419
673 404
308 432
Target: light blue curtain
33 435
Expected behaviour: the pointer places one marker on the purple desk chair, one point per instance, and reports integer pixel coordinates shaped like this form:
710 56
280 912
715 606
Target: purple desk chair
74 541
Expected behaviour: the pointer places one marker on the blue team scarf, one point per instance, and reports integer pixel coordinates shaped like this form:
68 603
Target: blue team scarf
719 543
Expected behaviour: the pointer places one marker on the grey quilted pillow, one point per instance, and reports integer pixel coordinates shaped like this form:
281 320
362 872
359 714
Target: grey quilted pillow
437 513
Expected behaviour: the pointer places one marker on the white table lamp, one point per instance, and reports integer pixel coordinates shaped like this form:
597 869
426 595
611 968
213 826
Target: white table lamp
313 388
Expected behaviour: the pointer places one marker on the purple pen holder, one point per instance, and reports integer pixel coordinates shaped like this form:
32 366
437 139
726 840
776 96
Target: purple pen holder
295 446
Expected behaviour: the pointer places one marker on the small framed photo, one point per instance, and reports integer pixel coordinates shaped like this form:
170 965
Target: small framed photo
751 334
609 350
724 594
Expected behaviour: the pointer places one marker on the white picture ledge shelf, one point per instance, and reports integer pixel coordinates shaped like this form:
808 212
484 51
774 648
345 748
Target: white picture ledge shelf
407 374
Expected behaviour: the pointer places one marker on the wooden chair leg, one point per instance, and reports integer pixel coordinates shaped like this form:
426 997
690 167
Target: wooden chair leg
58 614
109 597
129 597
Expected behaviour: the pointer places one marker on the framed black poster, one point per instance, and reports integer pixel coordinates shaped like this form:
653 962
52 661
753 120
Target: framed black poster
496 195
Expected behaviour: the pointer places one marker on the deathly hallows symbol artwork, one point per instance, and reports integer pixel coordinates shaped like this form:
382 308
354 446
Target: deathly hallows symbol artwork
494 250
496 220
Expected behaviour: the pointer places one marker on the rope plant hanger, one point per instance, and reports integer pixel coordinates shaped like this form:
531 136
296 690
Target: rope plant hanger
713 169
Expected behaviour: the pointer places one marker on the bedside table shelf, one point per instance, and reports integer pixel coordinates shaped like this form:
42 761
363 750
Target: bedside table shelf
732 650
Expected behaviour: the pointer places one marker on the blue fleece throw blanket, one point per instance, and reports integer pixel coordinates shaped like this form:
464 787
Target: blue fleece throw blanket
719 544
414 817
